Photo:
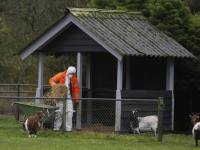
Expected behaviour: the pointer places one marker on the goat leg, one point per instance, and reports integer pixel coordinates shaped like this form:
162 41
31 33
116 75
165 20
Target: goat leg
196 142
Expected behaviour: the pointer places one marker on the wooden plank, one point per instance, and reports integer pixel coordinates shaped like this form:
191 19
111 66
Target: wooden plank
167 127
101 69
145 94
65 48
73 28
74 35
167 101
72 42
148 73
168 108
167 114
167 121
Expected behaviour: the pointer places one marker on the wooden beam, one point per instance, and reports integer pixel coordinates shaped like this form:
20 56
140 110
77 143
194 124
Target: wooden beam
170 82
89 86
96 38
57 29
118 96
39 91
79 77
46 37
128 73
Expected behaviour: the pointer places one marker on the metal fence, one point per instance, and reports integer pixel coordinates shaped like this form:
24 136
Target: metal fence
93 115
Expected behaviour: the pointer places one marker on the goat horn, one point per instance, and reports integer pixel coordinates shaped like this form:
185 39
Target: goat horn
135 109
197 114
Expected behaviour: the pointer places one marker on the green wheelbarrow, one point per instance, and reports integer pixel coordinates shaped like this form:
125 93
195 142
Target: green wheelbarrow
30 108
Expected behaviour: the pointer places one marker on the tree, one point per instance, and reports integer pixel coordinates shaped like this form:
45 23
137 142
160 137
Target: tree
119 4
194 5
172 17
175 19
20 21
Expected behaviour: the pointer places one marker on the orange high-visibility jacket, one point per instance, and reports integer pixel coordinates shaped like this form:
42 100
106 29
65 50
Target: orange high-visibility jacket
60 79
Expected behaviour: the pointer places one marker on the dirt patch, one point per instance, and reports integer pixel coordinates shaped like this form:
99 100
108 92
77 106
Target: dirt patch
96 128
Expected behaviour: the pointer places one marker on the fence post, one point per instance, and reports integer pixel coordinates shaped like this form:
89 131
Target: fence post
18 101
64 116
161 108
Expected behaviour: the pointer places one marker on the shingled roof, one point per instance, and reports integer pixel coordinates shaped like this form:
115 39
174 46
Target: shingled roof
129 33
124 32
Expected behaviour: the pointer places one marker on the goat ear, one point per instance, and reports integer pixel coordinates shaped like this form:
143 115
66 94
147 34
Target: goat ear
190 116
197 116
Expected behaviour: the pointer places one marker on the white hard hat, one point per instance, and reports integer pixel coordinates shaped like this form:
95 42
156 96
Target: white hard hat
71 70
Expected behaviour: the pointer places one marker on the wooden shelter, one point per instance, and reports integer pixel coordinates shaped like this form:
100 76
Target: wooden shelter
125 54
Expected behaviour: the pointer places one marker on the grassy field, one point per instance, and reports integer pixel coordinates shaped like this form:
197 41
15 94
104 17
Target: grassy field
12 136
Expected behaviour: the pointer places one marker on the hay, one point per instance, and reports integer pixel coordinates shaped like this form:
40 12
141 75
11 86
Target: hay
59 90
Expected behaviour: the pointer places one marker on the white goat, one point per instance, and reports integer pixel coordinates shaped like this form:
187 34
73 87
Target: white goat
144 124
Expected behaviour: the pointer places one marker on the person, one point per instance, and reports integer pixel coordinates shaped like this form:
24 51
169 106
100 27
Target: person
69 79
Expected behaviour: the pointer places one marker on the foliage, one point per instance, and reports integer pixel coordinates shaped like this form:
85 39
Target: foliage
194 5
39 14
174 19
21 21
119 4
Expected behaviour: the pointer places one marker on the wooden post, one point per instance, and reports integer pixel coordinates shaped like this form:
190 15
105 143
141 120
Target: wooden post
79 77
89 87
39 91
128 73
118 104
160 118
64 116
170 82
18 101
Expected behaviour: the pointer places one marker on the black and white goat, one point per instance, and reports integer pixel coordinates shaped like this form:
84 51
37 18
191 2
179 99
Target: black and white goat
143 124
196 127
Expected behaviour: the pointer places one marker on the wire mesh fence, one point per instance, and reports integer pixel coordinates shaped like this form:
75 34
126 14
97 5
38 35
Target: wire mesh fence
97 115
92 115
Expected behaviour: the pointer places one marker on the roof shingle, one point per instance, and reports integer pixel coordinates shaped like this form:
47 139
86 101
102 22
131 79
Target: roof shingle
129 33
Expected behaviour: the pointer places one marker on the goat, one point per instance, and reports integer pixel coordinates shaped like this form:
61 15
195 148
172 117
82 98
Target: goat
194 118
32 123
196 132
196 127
148 123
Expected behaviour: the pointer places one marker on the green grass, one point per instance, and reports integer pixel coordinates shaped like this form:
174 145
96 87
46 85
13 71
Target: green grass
12 136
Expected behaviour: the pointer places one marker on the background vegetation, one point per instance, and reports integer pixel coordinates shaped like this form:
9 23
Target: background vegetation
21 20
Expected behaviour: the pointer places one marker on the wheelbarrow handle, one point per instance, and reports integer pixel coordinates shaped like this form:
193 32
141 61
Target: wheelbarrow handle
14 112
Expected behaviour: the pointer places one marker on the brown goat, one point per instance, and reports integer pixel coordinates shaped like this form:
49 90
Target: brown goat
32 123
194 118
